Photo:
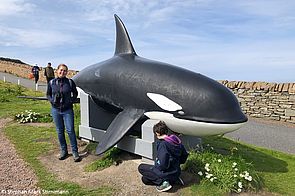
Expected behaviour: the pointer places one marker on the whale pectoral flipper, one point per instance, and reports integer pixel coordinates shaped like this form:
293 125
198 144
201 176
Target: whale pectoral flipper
118 128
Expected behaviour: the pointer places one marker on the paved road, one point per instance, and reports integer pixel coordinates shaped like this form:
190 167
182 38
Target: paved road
268 134
24 82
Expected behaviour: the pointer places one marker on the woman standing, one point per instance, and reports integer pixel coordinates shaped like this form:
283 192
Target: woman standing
62 92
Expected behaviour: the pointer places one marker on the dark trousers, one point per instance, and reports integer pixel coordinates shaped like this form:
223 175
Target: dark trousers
148 176
36 78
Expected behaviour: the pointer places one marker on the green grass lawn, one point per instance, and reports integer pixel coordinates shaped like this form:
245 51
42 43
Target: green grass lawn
276 169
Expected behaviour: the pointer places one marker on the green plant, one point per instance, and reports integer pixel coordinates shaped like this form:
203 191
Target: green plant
109 158
19 90
3 98
45 118
230 173
27 116
30 116
8 91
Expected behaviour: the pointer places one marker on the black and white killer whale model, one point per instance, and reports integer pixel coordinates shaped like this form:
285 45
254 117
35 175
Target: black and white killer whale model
133 87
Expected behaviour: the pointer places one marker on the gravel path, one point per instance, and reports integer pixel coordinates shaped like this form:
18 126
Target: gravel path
16 177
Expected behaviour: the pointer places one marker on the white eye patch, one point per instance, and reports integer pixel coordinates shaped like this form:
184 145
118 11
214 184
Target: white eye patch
164 102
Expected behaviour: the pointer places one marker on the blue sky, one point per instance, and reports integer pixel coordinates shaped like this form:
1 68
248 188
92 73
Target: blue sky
247 40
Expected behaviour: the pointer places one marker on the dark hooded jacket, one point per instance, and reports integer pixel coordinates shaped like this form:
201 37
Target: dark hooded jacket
170 154
62 93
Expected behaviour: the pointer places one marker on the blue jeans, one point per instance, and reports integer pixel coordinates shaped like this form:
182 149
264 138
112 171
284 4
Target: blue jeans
62 120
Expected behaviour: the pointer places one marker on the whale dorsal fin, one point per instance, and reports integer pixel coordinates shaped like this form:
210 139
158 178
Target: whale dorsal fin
123 42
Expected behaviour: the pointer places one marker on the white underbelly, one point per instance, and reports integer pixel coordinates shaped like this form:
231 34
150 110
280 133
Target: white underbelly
194 128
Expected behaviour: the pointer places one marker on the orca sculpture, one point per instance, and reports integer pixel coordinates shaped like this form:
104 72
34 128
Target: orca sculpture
133 87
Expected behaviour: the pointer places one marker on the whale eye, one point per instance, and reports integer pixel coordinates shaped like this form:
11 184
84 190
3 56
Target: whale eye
97 72
180 112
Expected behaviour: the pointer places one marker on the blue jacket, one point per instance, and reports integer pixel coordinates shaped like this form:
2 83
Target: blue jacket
62 93
170 154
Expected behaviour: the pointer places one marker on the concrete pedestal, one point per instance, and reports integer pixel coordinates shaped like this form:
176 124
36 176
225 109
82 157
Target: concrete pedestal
95 120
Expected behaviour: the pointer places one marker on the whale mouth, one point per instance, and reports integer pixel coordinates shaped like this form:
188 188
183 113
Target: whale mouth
242 119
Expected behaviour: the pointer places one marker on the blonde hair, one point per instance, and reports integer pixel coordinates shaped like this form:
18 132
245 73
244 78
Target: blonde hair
62 65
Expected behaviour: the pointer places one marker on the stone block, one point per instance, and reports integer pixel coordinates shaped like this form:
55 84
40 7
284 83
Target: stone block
292 98
285 87
290 112
292 89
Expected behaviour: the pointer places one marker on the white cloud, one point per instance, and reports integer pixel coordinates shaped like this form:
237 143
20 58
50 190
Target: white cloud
33 38
12 7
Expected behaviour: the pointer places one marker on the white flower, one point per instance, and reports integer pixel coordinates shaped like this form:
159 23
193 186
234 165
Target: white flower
200 173
240 185
219 160
236 169
249 178
235 175
207 167
234 164
239 190
209 176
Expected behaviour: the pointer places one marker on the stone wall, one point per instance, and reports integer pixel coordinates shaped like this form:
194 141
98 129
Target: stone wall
275 101
23 70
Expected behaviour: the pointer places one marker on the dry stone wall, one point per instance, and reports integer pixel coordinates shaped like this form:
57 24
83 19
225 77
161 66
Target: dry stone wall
275 101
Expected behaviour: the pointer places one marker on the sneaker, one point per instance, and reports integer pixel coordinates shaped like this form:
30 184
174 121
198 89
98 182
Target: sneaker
63 155
76 156
165 186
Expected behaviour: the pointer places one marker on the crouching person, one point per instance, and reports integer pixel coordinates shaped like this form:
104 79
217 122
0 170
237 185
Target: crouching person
170 154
